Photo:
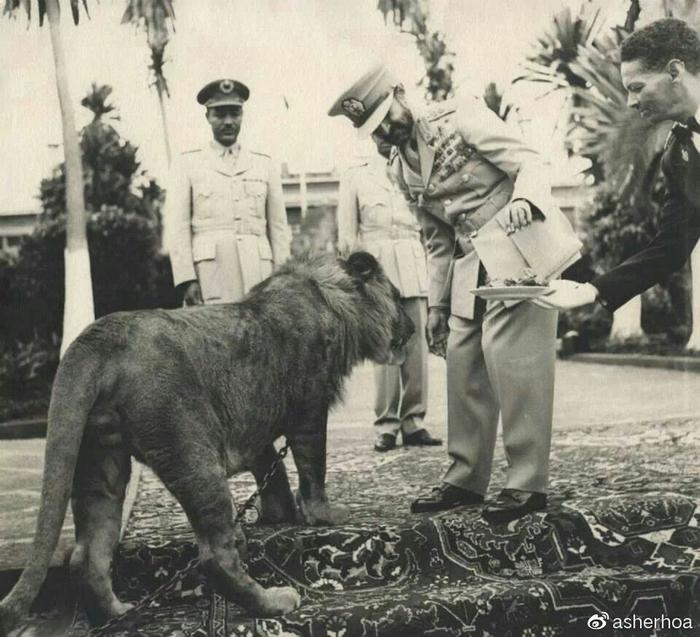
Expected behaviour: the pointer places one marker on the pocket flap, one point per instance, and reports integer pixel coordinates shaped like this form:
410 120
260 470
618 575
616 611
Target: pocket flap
203 250
255 187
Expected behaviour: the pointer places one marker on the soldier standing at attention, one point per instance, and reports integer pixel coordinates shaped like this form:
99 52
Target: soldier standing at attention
483 201
373 215
224 206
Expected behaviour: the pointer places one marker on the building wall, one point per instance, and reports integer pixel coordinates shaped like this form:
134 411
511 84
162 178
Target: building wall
317 190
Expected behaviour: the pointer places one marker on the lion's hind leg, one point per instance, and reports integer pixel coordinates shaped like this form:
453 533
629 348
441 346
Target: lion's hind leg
99 485
196 477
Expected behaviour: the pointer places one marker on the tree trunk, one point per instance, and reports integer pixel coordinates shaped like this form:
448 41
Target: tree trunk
627 320
694 342
164 122
78 311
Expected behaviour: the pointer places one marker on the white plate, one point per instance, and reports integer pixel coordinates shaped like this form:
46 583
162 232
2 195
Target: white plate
512 292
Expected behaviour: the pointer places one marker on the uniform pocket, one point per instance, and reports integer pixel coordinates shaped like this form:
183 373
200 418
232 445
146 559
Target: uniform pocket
207 269
265 255
255 191
203 250
255 187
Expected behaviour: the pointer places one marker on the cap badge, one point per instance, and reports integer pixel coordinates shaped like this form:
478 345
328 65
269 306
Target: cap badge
226 86
354 107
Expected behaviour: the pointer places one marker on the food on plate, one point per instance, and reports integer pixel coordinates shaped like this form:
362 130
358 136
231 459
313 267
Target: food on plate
528 279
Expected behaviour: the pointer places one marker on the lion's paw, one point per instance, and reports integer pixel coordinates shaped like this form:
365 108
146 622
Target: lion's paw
119 608
280 600
324 513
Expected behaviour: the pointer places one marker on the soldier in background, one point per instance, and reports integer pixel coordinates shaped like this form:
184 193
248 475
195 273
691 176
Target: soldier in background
373 215
226 218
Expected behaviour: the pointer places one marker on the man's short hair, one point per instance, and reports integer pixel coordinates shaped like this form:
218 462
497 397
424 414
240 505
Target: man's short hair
661 41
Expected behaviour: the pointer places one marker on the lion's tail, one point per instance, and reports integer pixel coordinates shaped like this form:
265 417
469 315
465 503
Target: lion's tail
74 392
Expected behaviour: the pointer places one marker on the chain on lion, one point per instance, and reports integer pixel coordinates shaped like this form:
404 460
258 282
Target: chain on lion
248 505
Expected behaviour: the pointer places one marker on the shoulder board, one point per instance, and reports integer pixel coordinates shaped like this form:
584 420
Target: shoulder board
194 150
256 152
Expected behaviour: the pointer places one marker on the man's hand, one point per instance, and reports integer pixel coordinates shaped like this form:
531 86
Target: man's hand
192 294
517 215
567 295
437 330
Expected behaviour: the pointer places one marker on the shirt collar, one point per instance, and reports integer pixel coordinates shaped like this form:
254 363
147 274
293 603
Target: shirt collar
225 151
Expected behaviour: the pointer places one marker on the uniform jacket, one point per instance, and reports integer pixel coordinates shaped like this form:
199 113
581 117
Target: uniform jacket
227 220
472 164
678 232
373 215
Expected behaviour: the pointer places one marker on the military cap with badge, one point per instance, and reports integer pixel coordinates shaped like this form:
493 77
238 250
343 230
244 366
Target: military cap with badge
225 92
368 100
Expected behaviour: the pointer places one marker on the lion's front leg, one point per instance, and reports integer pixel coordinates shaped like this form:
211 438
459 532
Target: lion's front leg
308 443
276 499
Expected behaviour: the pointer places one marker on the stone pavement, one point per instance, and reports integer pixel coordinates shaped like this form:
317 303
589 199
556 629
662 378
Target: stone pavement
586 395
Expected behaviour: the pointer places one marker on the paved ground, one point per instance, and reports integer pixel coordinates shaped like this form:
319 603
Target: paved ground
586 395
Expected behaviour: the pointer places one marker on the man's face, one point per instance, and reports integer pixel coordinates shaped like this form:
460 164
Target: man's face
396 128
656 95
225 122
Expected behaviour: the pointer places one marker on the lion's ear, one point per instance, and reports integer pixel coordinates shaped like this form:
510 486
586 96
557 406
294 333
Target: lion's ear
362 265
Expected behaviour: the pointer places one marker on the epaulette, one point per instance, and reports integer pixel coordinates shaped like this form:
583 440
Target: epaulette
194 150
257 152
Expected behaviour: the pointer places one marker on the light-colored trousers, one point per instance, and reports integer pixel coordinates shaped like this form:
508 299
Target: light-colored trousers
503 364
401 391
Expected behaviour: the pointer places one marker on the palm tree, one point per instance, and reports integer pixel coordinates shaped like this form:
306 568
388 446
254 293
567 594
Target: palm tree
412 16
623 148
78 309
154 17
493 97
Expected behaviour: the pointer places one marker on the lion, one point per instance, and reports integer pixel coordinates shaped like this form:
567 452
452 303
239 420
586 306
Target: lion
199 394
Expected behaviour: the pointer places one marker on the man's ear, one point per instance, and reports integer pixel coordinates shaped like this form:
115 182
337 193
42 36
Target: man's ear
362 265
675 68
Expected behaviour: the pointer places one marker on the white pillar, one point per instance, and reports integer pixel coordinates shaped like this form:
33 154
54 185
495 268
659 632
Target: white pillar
694 342
303 197
627 320
78 310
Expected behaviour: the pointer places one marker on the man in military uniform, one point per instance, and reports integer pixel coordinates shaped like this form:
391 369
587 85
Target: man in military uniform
224 207
485 207
373 215
661 72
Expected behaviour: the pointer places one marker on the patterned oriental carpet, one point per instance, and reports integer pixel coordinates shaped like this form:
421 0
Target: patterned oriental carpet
621 539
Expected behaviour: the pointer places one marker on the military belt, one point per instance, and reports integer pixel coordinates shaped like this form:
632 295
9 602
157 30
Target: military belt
382 234
255 227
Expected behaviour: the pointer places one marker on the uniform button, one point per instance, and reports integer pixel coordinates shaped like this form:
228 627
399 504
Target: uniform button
474 235
447 202
431 188
465 178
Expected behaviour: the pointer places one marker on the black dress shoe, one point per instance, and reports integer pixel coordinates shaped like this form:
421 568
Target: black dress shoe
420 438
445 497
385 442
512 504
